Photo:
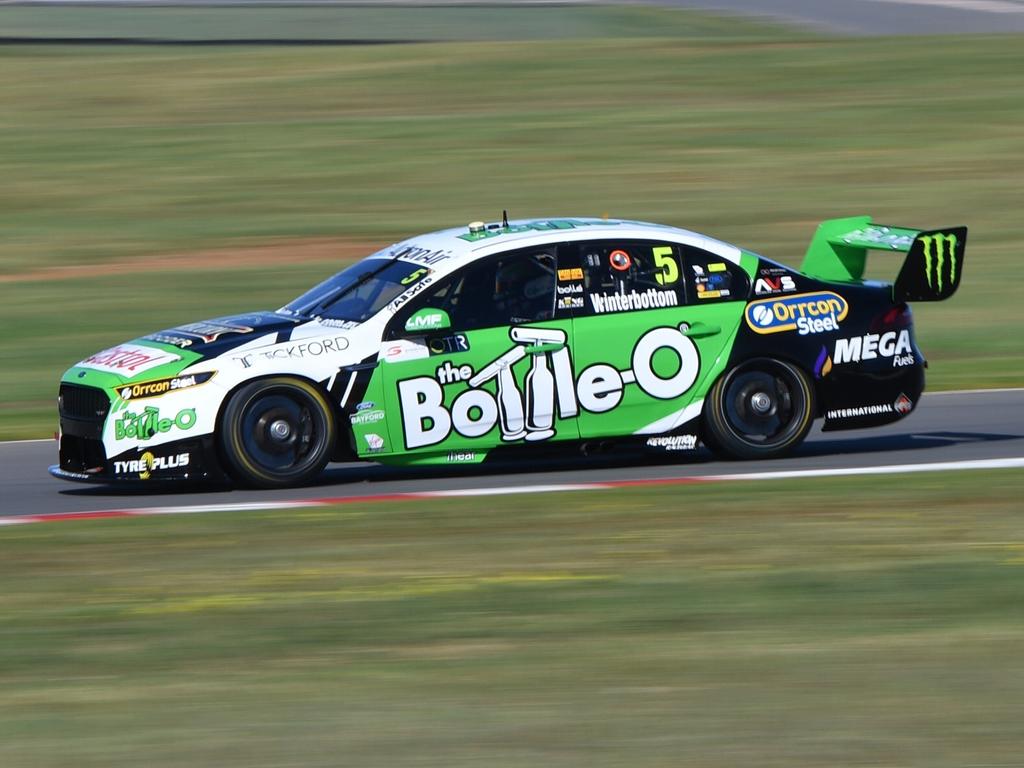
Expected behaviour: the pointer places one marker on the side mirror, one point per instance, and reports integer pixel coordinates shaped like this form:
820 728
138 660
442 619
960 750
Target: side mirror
428 319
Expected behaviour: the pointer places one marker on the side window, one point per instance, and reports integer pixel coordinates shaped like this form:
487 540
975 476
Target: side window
624 276
711 278
511 288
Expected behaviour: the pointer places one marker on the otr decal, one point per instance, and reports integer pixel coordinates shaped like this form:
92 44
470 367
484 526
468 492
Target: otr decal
528 413
936 259
804 313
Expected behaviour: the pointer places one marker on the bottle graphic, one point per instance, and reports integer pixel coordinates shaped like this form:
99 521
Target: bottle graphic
541 385
540 399
510 400
510 405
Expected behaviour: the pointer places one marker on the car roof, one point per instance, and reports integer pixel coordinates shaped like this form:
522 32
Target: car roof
448 249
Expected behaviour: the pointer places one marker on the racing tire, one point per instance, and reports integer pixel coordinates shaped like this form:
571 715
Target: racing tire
277 432
761 409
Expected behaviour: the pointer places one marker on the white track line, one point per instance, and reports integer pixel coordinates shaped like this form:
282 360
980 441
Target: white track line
943 466
977 6
894 469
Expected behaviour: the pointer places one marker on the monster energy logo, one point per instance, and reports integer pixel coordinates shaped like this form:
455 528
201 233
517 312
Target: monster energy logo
935 251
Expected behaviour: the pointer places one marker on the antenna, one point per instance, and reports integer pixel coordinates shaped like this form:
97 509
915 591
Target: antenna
504 219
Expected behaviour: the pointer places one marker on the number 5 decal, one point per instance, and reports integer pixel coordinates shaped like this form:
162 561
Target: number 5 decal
666 262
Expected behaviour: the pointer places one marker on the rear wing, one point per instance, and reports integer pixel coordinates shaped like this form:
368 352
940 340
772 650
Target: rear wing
930 272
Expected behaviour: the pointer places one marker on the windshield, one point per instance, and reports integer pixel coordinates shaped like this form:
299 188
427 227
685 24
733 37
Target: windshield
359 292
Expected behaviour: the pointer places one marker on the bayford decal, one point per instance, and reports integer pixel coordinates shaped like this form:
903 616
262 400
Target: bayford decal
145 424
147 463
652 298
804 313
295 350
159 387
528 412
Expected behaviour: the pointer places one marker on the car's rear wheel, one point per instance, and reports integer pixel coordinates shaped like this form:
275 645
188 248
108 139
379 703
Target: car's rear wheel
760 409
277 432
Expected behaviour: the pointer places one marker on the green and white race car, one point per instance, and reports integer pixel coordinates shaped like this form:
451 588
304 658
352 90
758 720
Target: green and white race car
462 345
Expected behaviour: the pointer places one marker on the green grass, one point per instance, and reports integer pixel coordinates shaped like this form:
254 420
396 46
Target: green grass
499 21
749 133
868 621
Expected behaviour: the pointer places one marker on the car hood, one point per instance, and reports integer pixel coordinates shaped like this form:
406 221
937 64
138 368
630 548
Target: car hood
215 337
170 351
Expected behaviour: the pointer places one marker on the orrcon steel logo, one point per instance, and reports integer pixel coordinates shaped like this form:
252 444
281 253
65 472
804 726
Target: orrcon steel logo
936 259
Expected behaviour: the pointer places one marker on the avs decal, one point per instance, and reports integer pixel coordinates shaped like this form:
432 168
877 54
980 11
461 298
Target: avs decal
652 298
770 284
128 359
528 412
159 387
804 313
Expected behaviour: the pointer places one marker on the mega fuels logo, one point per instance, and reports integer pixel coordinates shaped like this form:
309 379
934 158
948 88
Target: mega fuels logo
939 256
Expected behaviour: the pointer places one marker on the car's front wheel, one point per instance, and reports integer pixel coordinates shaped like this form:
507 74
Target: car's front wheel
277 432
760 409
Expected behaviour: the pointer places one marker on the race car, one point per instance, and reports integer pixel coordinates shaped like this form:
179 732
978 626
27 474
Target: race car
532 336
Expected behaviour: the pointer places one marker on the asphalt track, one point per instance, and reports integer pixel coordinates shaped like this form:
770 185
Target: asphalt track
946 427
878 17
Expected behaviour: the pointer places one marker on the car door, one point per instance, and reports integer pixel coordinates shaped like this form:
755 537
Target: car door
656 317
482 360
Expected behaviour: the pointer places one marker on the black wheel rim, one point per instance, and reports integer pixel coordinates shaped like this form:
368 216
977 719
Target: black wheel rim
764 406
282 432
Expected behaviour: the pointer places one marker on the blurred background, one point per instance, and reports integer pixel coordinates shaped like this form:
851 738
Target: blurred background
163 163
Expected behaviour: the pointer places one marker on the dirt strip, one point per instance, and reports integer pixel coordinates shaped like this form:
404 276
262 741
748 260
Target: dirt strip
275 253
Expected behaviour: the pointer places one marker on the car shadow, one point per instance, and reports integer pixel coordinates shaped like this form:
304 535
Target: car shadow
820 445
